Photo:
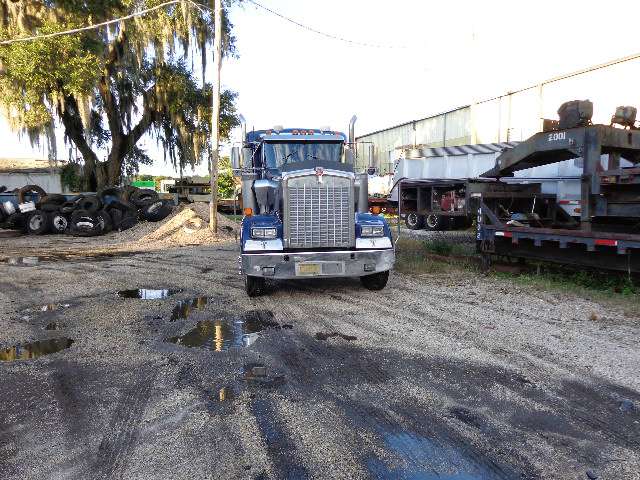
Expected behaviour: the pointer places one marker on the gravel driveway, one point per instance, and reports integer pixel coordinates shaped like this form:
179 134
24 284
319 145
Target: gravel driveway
450 376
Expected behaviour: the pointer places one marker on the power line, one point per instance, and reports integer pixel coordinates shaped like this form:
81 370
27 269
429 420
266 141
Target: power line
324 34
94 26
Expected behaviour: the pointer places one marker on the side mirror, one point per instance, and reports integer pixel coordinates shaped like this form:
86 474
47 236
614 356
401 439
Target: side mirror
235 158
247 157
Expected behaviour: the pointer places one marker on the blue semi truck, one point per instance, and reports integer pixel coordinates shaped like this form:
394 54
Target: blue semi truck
306 211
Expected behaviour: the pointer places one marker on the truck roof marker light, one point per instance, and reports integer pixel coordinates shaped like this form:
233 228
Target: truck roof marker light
247 212
295 132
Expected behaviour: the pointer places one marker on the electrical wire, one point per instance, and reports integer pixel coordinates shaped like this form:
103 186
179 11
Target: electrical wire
324 34
94 26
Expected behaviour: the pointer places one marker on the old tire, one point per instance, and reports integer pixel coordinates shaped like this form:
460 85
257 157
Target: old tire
377 281
434 223
413 221
30 189
84 224
108 194
90 203
254 286
156 211
38 222
16 221
143 197
105 221
59 223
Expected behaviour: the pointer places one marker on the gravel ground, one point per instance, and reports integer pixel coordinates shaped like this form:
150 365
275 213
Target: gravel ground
451 376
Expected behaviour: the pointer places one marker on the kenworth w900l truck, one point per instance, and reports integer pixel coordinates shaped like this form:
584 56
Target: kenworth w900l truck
306 211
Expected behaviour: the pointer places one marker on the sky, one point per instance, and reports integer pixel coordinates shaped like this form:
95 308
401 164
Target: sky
435 56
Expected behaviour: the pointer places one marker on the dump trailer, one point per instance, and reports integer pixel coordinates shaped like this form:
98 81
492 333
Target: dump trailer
521 221
431 183
305 210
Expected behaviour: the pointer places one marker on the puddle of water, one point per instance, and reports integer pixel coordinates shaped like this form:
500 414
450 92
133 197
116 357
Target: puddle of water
626 406
29 351
426 459
326 335
148 293
54 306
226 394
220 335
184 308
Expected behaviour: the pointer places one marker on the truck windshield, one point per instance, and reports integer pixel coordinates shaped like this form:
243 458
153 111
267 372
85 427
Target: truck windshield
279 154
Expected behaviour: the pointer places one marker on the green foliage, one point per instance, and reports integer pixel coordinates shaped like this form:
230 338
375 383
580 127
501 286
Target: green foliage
70 177
226 186
110 86
438 246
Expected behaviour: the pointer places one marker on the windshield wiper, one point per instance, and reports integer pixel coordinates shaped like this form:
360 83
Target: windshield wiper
286 157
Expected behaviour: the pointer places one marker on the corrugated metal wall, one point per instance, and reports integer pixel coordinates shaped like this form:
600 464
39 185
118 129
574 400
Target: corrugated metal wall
511 117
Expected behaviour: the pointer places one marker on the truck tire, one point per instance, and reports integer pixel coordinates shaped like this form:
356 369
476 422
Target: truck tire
435 223
156 211
38 222
16 221
59 223
254 286
413 221
377 281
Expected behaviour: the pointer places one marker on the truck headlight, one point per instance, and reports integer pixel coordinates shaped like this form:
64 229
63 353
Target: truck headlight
264 233
373 231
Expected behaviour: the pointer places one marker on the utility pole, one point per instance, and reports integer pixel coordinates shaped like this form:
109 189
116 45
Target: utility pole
215 115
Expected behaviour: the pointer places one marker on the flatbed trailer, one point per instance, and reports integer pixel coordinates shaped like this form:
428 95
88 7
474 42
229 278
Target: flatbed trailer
529 225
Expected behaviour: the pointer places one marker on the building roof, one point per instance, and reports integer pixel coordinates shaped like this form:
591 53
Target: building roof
27 165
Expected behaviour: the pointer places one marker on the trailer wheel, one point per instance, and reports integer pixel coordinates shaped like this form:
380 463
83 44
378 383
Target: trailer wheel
413 221
377 281
434 222
38 222
59 223
254 286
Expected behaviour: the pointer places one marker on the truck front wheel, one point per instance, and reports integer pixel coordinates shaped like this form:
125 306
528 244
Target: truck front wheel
377 281
413 221
254 286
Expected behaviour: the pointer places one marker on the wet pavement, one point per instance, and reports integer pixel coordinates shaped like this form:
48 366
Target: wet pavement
180 375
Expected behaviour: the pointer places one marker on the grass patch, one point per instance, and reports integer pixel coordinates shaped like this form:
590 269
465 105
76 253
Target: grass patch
430 256
554 277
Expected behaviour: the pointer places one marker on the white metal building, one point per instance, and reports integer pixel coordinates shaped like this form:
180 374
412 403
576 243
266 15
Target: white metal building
514 116
18 172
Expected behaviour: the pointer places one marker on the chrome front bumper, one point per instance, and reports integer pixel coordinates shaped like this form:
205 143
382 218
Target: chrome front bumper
329 264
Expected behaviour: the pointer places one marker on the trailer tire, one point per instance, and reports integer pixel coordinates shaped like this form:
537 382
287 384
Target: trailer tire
413 221
377 281
435 223
38 222
59 223
90 203
254 286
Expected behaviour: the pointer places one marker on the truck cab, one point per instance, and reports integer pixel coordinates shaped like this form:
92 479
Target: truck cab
306 211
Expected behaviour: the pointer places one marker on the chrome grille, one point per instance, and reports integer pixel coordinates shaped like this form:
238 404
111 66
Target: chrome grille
319 214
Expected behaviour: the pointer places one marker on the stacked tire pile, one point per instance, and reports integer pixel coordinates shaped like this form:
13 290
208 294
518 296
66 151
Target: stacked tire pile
84 215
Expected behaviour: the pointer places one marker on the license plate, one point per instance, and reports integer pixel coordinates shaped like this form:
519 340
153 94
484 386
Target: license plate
308 269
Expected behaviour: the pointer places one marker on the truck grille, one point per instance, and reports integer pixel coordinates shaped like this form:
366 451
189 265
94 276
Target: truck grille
319 215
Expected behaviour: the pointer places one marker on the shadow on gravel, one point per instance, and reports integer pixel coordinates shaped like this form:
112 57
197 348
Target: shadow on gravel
518 421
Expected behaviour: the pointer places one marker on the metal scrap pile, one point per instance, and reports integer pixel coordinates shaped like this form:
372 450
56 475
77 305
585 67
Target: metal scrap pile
84 215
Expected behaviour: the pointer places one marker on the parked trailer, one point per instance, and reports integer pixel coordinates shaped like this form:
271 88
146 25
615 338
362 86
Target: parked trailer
433 182
526 224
